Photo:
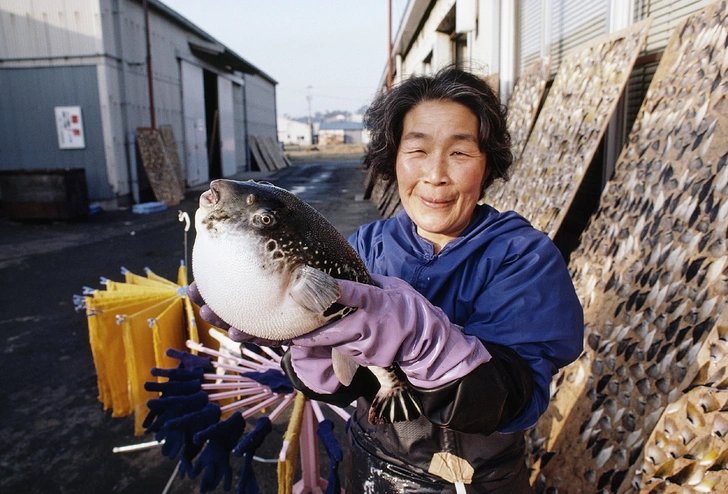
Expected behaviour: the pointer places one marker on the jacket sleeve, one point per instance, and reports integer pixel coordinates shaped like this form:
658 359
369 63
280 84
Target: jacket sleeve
529 305
485 400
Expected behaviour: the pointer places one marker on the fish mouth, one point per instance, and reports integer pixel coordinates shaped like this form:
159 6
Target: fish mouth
210 197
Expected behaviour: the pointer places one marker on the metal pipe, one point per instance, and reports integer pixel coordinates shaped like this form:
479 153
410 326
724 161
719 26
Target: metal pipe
129 135
132 157
389 48
149 67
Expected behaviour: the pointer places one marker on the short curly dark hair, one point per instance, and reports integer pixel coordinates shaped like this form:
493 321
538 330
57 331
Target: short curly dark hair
385 120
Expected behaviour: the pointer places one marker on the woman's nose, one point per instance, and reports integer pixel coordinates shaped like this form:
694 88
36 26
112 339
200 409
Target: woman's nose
437 170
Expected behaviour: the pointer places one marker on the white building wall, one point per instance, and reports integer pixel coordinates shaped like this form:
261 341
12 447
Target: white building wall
486 38
429 41
431 50
227 126
293 132
195 128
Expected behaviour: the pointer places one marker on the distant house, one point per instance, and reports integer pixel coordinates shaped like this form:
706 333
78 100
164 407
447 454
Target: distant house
293 132
339 117
331 133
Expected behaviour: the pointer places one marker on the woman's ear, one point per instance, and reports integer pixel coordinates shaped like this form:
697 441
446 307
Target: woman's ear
486 174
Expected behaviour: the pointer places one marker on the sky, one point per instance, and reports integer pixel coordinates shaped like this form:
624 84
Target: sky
334 51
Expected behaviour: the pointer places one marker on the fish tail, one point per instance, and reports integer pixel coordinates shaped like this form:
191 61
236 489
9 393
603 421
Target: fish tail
395 401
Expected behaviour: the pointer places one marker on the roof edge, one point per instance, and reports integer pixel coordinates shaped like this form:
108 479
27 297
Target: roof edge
178 18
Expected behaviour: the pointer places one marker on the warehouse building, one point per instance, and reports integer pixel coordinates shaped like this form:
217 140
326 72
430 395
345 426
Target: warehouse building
75 88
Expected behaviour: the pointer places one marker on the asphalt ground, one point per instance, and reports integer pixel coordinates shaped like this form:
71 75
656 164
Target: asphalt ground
54 434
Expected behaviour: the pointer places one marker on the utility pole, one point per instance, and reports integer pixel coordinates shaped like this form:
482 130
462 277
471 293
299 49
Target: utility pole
310 122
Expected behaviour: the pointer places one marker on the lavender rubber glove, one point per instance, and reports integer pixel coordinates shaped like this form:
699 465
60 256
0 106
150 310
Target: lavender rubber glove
234 333
393 323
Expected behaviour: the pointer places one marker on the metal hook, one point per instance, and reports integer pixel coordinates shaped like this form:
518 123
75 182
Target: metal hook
184 217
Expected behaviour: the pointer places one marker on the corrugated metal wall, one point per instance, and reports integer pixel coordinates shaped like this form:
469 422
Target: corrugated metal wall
573 24
666 15
528 33
260 99
39 28
28 137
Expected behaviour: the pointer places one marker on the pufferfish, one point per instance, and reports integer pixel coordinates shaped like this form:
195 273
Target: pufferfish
266 263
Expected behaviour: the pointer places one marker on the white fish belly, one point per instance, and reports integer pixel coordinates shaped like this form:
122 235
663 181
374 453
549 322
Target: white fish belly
231 277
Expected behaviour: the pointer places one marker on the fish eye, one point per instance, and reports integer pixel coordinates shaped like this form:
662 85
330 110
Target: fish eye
265 219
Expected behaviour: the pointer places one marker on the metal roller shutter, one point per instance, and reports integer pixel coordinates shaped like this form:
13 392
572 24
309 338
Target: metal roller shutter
575 24
666 15
529 33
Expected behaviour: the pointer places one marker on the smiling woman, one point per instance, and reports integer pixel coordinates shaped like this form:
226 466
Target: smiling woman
487 315
440 169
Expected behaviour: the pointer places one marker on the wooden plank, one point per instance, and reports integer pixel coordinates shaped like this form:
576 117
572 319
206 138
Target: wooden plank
493 81
525 102
265 153
258 156
273 151
172 155
276 152
162 178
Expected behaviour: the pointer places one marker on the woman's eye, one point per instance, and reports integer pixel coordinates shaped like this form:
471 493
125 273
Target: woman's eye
464 153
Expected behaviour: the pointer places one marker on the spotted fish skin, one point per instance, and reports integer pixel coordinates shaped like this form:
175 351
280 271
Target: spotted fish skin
267 263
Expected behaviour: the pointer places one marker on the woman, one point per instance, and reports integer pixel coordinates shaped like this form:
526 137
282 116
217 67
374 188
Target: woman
481 366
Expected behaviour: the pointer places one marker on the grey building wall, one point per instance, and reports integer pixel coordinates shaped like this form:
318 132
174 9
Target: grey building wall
28 137
260 98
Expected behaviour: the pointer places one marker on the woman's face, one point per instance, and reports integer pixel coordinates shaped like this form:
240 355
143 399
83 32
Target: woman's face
440 169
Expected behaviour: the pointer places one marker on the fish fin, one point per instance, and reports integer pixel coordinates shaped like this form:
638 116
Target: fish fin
344 367
395 401
313 289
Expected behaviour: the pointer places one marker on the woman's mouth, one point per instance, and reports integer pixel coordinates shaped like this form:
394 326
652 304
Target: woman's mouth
435 203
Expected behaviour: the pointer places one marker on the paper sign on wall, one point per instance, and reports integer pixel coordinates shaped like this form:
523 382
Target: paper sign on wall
70 127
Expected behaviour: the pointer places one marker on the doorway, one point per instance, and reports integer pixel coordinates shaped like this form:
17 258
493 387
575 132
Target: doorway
212 121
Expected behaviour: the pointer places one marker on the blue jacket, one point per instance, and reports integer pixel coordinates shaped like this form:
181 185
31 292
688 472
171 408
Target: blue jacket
501 280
